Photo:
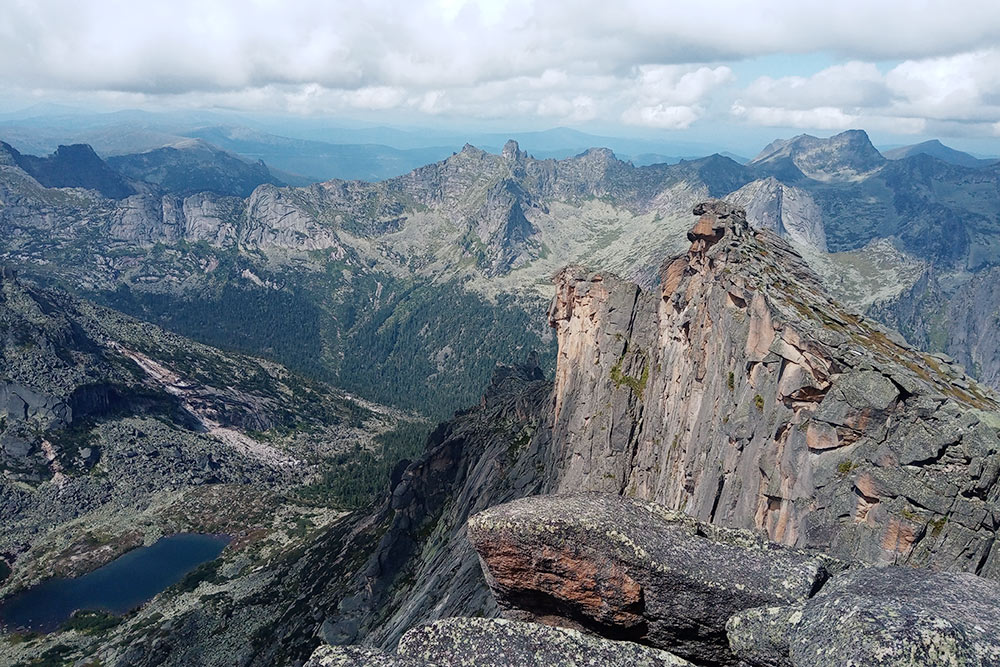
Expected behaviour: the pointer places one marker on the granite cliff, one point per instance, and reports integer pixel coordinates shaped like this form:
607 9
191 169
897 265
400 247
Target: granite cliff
741 394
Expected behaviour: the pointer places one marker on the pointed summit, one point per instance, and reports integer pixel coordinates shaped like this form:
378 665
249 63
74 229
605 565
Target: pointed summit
511 151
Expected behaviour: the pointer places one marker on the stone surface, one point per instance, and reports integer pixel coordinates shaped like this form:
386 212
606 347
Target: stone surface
891 617
477 642
359 656
630 569
760 636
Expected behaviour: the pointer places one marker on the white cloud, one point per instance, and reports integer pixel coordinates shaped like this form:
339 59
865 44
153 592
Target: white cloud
643 62
672 96
907 99
960 87
662 116
853 84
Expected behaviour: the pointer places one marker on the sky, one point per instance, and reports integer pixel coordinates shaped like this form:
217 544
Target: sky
904 70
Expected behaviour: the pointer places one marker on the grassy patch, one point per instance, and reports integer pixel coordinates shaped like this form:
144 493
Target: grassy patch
846 467
637 385
206 572
91 621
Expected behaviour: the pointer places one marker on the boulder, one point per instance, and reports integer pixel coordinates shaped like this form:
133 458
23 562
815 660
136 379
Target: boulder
629 569
358 656
463 642
895 616
760 636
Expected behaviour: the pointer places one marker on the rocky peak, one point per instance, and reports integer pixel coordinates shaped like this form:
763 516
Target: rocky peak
75 166
511 151
788 211
468 150
716 219
740 393
848 156
8 155
598 155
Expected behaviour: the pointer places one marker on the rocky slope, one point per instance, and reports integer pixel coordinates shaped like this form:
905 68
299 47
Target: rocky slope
224 443
349 265
957 316
736 393
823 440
76 166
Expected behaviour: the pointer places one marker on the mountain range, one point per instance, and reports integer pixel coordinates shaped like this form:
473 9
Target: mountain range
499 225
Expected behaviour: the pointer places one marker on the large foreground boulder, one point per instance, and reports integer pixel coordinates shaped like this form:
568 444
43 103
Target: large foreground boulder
630 569
879 617
478 642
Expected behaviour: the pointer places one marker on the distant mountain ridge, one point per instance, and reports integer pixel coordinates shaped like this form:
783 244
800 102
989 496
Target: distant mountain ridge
184 168
845 157
936 149
488 224
192 166
76 166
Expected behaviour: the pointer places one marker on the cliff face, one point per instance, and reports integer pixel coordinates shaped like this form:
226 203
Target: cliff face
739 393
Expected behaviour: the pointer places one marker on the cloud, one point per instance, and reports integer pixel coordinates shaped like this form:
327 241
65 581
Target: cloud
672 96
190 45
909 98
641 62
853 84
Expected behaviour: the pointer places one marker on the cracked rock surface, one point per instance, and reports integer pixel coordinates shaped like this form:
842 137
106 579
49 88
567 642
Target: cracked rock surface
632 570
477 642
878 617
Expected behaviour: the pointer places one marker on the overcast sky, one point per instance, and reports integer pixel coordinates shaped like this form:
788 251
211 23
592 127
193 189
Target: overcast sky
898 68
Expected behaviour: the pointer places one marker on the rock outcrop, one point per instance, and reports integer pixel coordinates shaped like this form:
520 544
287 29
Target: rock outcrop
883 617
739 393
632 570
736 393
786 210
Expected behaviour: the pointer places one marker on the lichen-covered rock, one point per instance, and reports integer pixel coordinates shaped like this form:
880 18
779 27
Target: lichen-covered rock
631 569
478 642
895 617
358 656
760 636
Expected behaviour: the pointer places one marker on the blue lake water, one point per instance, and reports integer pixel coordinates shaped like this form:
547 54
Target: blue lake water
118 587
